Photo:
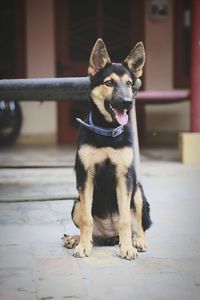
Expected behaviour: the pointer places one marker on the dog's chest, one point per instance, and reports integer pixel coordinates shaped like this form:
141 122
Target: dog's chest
121 158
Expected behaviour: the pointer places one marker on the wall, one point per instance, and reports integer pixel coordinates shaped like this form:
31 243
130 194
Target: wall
159 75
39 118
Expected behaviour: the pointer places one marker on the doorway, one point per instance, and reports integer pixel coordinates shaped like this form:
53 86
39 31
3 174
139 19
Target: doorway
78 25
12 42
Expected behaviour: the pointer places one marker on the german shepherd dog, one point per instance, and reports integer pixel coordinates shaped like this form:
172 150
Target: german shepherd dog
112 207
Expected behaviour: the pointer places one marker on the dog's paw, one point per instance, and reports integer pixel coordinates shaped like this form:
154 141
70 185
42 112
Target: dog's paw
70 241
128 252
140 244
83 249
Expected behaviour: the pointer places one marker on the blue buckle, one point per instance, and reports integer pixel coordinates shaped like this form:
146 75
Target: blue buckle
117 131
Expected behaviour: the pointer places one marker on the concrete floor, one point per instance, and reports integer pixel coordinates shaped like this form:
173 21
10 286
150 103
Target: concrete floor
35 265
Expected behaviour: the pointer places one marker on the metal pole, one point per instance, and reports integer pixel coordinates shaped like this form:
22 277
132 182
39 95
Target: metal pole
74 88
136 150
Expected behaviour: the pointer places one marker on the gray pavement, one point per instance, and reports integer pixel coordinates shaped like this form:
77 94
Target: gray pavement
35 265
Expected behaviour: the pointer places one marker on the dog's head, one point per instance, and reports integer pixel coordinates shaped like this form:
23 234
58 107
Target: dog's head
113 85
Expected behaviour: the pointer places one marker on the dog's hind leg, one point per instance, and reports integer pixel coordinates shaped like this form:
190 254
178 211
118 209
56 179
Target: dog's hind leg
71 241
141 219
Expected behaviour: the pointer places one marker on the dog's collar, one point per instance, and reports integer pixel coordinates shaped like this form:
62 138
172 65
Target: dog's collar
112 132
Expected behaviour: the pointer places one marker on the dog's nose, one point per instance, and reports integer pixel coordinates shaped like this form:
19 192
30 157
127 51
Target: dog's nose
127 102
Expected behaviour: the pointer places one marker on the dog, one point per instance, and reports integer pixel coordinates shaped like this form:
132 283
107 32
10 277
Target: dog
112 208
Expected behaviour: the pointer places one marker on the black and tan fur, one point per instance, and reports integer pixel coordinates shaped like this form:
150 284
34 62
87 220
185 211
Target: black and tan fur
111 207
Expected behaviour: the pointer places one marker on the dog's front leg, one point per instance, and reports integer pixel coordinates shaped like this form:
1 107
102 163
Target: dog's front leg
125 233
84 246
139 240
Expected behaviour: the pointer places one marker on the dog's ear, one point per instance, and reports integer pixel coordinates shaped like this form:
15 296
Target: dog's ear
136 59
99 58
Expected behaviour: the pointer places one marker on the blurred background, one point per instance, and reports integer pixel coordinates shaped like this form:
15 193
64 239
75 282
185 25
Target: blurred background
54 39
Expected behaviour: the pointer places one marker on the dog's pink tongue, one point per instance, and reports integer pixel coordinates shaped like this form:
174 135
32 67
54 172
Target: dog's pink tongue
121 116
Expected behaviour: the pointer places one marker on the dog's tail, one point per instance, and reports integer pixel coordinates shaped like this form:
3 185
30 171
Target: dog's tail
146 219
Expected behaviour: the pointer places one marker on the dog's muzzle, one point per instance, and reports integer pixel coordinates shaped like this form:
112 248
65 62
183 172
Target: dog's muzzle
126 103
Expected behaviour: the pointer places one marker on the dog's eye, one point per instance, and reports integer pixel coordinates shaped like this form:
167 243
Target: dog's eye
109 83
129 83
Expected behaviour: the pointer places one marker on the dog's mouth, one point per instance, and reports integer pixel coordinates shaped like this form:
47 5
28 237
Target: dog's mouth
118 115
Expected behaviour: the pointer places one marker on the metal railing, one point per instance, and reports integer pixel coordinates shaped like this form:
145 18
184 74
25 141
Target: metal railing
74 88
39 89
